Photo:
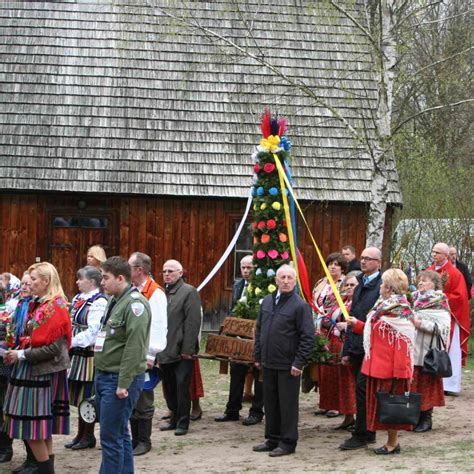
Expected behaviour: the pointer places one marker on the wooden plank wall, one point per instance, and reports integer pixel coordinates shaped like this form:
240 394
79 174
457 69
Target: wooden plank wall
194 231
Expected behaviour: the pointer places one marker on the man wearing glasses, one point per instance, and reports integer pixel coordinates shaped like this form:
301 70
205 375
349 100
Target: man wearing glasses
142 416
365 296
184 323
454 286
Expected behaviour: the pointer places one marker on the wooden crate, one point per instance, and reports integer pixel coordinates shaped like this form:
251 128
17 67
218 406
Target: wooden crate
239 327
232 348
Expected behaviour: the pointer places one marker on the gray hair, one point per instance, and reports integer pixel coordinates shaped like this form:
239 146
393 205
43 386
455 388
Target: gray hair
142 260
286 267
90 273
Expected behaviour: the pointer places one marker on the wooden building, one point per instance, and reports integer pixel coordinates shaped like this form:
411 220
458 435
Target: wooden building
119 126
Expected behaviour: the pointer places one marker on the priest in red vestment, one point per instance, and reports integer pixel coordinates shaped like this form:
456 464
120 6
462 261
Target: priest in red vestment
456 292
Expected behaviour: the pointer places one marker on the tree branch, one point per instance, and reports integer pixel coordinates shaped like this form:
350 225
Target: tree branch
430 109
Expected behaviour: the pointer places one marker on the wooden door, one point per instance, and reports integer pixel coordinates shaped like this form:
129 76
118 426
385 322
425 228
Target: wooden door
71 233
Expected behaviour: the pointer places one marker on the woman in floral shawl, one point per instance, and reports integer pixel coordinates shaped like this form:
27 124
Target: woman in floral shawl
36 404
431 308
389 336
325 302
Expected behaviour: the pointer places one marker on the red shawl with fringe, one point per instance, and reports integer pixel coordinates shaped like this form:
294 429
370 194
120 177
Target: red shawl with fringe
49 322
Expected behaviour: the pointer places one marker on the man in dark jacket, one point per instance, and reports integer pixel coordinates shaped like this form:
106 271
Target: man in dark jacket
364 298
238 372
284 339
463 268
184 323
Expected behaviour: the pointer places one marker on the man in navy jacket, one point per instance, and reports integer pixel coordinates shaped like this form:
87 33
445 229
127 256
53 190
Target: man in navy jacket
284 339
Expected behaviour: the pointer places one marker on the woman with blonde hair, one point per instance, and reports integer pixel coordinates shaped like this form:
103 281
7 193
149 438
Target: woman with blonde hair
389 336
96 256
36 404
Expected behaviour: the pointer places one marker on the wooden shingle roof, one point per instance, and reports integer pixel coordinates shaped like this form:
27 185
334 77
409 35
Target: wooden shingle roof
116 97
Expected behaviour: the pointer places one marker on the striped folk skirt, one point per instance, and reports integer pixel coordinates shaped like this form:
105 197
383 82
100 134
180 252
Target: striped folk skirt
36 407
81 375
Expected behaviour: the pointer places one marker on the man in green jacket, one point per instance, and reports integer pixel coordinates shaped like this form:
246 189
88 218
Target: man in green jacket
120 361
184 323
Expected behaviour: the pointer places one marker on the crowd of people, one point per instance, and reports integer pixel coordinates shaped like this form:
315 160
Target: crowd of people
123 330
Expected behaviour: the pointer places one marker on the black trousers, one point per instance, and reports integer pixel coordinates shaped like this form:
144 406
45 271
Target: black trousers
361 390
281 398
145 407
176 381
238 372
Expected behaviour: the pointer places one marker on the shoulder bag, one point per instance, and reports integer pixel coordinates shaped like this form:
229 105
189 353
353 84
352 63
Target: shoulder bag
403 409
436 361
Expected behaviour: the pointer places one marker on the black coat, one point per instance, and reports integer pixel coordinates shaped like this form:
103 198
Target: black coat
353 266
285 332
363 301
463 268
237 289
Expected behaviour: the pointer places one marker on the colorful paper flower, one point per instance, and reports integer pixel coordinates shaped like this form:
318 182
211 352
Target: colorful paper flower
269 168
265 238
255 241
273 191
254 191
271 288
260 254
260 191
273 254
270 143
276 205
284 255
285 143
271 223
282 237
258 271
261 225
270 273
257 291
255 207
263 206
256 167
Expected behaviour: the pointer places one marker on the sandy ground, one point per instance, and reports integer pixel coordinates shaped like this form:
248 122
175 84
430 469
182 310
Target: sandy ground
227 447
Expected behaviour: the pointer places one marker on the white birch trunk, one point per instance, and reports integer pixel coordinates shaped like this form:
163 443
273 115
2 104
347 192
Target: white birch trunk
385 59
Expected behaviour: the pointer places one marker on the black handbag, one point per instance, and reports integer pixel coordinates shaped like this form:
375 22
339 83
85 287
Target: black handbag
436 361
396 409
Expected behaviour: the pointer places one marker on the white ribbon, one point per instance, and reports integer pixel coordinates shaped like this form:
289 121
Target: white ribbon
230 247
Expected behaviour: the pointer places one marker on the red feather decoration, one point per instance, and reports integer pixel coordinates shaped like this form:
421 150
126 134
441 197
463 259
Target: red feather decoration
266 123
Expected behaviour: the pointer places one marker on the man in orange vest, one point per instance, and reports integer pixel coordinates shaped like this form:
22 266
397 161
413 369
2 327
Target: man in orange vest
142 416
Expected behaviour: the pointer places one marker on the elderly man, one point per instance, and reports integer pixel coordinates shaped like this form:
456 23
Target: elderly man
284 339
184 323
238 372
456 292
364 298
142 416
463 268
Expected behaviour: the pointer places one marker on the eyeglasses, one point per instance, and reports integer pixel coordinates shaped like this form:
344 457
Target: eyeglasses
165 272
369 259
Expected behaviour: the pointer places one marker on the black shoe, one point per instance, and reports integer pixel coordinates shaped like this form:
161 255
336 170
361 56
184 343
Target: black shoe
353 443
279 452
251 420
226 417
264 447
181 431
384 450
451 394
196 417
28 467
6 454
85 444
72 443
167 426
141 449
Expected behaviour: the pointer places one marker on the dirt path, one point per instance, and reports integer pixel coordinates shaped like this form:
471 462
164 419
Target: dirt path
227 447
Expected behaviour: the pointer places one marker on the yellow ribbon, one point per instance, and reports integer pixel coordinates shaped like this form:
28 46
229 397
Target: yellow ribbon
270 143
286 208
284 179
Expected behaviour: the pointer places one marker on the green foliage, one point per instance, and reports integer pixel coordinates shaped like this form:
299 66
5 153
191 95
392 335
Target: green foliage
320 353
270 234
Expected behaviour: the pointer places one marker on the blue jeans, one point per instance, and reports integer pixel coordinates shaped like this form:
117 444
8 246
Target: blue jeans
114 414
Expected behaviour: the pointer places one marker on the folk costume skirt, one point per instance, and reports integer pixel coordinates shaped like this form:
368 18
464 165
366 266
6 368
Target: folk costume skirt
81 375
336 383
431 389
36 407
196 387
382 385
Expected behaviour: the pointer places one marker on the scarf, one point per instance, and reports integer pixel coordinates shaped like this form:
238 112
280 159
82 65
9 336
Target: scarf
433 306
395 316
13 288
49 322
19 319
